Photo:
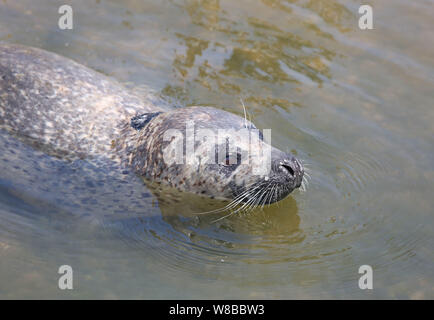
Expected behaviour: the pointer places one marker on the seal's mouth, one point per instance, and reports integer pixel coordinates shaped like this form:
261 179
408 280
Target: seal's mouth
286 175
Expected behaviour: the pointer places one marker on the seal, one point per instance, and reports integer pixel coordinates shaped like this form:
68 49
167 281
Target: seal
71 111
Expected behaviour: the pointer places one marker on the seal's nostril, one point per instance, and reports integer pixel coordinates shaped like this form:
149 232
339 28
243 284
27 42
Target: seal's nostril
288 168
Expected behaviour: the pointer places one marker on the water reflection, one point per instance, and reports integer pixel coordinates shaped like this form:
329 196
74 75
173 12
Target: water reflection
267 52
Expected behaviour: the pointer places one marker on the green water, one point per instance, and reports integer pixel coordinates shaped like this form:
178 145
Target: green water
356 106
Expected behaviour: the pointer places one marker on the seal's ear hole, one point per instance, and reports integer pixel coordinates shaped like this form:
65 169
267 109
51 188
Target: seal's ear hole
138 122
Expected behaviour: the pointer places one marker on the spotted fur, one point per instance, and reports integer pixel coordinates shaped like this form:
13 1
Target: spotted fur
73 111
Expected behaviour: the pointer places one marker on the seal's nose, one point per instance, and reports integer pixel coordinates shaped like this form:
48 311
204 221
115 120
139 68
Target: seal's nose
292 168
287 168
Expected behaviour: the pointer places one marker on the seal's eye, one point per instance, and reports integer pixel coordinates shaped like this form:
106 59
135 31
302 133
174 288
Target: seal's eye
227 161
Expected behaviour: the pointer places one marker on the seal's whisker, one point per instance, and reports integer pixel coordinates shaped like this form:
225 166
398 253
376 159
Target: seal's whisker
277 195
236 201
257 202
251 203
306 180
226 216
303 162
264 199
272 193
233 212
268 198
245 112
258 198
230 205
255 197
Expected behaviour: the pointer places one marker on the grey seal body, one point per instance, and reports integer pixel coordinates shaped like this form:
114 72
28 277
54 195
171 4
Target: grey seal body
73 111
61 103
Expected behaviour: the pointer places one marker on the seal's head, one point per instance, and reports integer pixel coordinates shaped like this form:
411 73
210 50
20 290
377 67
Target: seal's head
213 152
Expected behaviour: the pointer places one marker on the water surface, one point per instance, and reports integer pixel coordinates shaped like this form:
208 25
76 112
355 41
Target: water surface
356 106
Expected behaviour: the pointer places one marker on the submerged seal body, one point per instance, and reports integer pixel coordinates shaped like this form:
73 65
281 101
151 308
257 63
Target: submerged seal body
73 111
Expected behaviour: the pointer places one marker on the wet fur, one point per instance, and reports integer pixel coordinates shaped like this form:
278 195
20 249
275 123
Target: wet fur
77 112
